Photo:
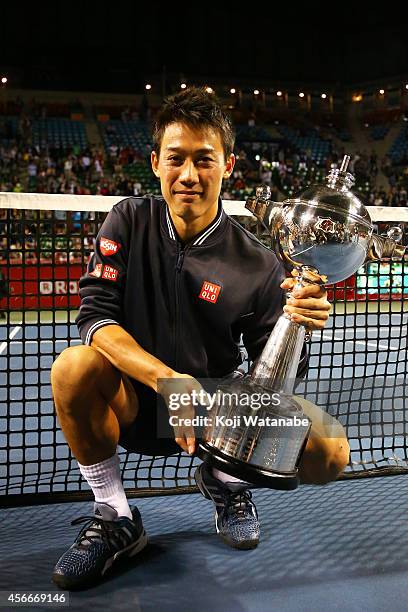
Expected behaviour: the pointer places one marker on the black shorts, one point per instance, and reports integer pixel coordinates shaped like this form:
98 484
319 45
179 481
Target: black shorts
142 435
151 433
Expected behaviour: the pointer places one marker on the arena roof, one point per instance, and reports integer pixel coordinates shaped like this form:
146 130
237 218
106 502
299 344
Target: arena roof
120 45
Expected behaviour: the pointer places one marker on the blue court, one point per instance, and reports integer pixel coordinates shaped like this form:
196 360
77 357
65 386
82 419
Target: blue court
337 547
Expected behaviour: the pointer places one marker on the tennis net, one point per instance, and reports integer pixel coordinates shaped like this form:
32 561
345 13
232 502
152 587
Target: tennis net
358 364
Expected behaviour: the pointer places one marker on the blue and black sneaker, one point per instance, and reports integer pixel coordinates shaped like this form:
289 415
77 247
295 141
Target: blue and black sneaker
103 539
236 518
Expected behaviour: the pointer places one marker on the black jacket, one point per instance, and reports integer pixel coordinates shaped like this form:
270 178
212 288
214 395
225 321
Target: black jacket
185 304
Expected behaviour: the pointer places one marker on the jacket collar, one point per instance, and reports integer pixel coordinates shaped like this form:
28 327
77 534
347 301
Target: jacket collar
207 235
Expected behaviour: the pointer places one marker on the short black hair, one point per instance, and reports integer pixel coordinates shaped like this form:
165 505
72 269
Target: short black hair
197 108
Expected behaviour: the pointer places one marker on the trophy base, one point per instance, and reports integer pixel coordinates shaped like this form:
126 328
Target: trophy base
244 471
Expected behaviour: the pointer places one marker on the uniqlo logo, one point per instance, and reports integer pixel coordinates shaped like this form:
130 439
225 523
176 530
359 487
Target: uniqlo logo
110 273
109 247
97 271
210 292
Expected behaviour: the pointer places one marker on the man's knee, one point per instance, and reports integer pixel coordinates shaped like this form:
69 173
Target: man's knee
77 367
324 460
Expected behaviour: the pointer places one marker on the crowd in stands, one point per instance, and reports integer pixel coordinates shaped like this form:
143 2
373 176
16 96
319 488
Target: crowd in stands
96 171
28 166
115 169
24 168
289 172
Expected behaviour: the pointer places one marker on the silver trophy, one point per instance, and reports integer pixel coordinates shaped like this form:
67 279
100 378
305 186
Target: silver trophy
325 234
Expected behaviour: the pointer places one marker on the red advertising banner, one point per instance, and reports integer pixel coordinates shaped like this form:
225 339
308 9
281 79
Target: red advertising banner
51 285
42 287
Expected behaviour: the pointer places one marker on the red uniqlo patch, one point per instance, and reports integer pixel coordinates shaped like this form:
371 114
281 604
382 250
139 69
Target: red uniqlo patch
110 273
210 292
109 247
97 271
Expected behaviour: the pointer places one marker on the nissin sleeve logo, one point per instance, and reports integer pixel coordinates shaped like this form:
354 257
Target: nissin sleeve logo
109 247
210 292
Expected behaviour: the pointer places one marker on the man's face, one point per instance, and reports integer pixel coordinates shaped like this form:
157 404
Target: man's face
191 167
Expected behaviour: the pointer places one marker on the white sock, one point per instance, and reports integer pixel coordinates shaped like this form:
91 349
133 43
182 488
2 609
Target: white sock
226 478
106 483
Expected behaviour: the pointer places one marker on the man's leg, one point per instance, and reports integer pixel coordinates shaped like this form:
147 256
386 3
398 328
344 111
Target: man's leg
236 518
325 457
93 402
327 450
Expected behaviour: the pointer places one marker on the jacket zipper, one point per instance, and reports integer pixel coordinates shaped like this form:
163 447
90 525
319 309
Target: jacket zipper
179 265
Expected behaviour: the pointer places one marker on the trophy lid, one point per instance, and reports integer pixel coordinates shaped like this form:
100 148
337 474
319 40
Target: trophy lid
326 231
336 195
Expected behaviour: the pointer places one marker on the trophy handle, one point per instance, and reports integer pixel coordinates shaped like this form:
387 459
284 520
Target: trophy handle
386 248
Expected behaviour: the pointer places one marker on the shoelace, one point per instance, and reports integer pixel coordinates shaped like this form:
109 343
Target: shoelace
239 502
90 534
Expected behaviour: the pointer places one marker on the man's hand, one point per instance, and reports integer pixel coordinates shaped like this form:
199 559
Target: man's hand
308 306
178 387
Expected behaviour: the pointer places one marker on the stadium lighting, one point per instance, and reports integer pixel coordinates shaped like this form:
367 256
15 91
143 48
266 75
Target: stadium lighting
209 90
256 92
382 92
148 86
324 96
3 80
183 86
301 95
232 90
406 86
279 93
